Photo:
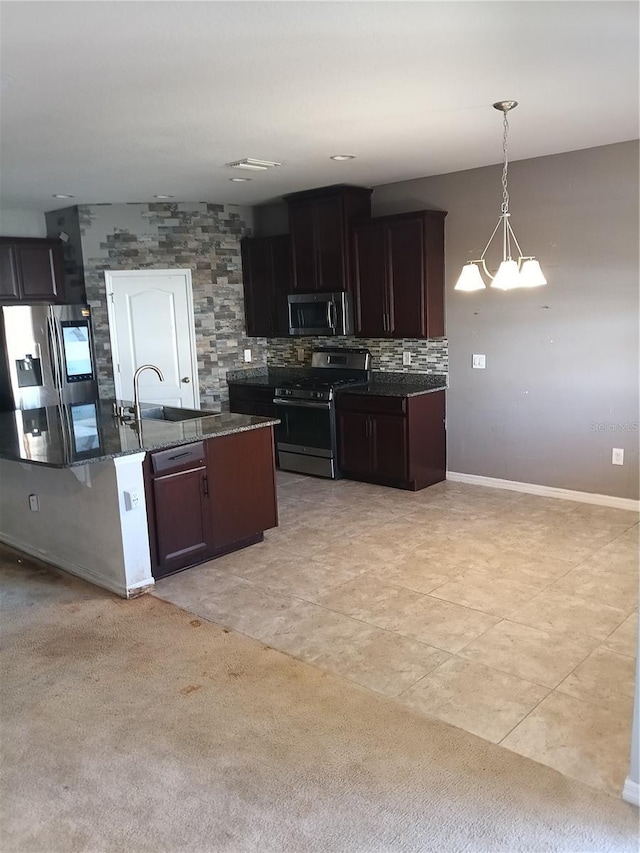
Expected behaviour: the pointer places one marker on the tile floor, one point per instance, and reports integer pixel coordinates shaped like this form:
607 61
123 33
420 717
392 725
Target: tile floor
509 615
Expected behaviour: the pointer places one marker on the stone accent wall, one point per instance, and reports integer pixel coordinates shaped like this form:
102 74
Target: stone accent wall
202 237
427 356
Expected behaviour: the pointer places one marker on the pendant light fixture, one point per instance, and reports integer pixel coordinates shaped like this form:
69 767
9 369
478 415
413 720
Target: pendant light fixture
523 272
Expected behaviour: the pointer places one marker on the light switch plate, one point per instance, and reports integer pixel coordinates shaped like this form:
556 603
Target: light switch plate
247 355
406 358
34 503
479 361
617 456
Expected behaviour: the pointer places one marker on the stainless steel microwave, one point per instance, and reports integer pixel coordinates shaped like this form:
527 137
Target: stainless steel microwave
320 313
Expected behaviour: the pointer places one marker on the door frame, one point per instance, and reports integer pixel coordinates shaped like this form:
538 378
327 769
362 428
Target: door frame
110 279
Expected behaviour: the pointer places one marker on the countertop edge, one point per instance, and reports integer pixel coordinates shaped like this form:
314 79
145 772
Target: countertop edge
266 422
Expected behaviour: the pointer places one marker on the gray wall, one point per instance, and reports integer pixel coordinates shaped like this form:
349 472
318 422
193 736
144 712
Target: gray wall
204 238
22 223
560 389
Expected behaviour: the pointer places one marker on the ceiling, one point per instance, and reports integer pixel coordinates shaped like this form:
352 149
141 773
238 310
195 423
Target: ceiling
120 101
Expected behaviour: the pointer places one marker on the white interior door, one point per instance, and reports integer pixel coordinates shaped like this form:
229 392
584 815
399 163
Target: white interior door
151 322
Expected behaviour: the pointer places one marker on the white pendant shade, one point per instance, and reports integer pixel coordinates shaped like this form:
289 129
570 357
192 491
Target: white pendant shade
531 275
470 279
507 277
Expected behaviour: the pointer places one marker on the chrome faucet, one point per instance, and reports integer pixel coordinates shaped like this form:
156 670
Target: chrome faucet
136 390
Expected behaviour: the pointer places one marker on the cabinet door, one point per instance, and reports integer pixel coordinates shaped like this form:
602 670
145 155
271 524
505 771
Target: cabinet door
406 282
330 244
280 284
370 274
182 519
39 272
242 485
9 286
266 264
390 458
256 268
354 446
303 247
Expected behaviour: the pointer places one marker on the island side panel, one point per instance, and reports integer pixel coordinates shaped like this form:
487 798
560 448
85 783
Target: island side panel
79 523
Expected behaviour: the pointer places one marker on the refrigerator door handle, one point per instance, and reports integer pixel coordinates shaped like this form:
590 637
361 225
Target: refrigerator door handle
55 348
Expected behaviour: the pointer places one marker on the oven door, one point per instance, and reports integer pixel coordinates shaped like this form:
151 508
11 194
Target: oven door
305 427
305 437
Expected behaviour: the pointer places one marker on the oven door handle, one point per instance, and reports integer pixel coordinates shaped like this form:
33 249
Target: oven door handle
301 404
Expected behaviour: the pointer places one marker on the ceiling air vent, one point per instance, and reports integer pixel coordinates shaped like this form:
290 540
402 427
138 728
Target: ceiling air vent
253 165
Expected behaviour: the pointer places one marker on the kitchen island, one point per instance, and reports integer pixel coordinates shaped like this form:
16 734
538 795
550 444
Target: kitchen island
101 497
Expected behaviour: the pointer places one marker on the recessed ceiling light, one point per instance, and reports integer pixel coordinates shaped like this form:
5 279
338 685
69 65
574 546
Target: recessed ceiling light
253 165
239 180
164 196
62 195
343 157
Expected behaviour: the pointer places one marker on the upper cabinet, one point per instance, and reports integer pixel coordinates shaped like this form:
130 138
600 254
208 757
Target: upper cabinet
319 222
31 270
266 272
398 272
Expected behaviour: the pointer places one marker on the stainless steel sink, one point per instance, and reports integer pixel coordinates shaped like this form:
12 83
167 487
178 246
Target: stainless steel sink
172 413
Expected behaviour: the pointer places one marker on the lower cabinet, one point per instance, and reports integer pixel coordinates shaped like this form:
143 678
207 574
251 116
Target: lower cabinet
394 441
181 512
252 400
208 498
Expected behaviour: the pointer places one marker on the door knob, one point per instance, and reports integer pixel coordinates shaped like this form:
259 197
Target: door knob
186 380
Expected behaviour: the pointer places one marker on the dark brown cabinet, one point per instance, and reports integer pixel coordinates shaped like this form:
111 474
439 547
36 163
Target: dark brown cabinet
242 486
266 272
398 275
252 399
180 499
319 222
394 441
31 270
208 498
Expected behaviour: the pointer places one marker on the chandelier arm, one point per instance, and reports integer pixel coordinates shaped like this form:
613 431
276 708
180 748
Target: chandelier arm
515 240
484 267
490 239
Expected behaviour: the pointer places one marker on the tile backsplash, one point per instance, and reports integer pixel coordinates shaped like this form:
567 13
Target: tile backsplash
427 356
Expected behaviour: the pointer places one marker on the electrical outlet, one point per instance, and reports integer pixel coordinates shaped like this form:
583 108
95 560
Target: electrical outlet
300 353
34 503
479 361
132 500
617 456
406 358
247 355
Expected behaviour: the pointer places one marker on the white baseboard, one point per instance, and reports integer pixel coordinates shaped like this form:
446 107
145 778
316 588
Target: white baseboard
79 571
631 792
545 491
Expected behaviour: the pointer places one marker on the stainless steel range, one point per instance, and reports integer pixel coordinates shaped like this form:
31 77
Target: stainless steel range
306 435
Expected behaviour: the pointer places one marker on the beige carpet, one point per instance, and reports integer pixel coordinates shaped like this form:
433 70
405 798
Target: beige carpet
133 726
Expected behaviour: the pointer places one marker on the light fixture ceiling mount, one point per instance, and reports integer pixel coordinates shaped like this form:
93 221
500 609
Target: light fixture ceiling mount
523 272
253 165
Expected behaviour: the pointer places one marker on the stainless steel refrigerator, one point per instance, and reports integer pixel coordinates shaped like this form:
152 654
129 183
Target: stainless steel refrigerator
48 355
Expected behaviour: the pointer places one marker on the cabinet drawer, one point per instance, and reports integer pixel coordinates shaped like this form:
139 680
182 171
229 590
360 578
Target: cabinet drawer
367 403
178 458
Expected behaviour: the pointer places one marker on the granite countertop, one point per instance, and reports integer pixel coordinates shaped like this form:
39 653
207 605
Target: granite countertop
383 383
266 377
65 436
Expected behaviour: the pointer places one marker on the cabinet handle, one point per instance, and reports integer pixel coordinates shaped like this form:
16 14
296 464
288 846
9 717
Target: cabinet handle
384 322
205 485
